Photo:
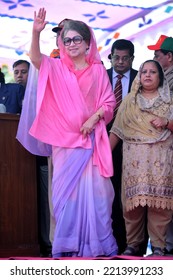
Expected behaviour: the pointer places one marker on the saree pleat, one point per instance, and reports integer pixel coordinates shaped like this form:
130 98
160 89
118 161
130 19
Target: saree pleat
82 202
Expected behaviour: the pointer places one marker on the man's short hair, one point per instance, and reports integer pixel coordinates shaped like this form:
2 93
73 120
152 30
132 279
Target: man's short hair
20 61
123 44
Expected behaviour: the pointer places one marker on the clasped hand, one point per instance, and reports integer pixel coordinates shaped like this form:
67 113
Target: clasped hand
88 126
159 122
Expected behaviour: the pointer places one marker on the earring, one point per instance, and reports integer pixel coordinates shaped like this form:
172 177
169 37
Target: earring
87 50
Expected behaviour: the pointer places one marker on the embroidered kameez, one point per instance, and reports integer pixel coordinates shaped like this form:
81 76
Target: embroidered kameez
147 176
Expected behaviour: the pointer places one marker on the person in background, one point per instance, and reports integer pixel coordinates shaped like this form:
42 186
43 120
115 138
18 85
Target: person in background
20 71
7 73
82 191
163 53
145 123
57 29
122 56
11 96
109 57
2 81
43 207
2 77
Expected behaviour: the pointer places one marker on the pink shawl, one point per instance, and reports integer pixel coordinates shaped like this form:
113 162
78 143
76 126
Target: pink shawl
62 108
66 98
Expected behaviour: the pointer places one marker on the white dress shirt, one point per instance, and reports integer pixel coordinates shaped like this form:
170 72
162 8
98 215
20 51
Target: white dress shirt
125 82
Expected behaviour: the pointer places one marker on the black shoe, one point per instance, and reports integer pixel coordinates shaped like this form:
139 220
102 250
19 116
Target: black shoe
157 252
130 251
46 252
46 255
169 252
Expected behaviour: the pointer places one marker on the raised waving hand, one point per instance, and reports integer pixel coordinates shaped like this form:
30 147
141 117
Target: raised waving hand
39 20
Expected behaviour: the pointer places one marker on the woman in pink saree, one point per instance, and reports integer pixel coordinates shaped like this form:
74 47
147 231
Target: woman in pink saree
74 103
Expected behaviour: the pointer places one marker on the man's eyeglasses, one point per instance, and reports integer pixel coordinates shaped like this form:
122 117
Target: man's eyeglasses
123 58
76 40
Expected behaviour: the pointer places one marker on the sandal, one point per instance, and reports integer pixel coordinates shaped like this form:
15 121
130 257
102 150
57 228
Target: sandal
130 251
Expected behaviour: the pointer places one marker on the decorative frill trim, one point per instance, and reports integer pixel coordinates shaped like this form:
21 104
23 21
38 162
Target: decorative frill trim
157 202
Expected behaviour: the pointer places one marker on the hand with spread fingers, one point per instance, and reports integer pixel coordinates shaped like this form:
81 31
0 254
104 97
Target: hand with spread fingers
39 20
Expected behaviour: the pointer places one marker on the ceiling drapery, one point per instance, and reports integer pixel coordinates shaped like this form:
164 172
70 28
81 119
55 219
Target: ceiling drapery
110 20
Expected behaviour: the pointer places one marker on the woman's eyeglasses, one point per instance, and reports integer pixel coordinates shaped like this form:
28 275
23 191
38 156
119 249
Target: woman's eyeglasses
76 40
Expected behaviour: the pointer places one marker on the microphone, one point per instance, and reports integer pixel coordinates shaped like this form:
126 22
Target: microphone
2 108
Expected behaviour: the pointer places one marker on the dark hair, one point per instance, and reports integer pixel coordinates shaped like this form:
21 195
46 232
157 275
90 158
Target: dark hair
166 52
79 27
123 44
2 77
159 68
20 61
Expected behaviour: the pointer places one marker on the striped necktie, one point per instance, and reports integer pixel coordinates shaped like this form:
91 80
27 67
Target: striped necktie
118 93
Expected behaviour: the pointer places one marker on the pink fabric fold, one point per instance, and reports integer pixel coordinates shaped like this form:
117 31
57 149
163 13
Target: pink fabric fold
63 107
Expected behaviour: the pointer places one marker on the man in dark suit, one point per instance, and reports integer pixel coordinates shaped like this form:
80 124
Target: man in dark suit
11 96
122 56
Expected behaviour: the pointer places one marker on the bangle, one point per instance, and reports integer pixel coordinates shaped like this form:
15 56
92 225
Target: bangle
167 123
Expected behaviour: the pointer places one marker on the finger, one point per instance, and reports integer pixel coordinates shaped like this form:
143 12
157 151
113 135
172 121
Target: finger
35 15
43 13
39 13
81 129
84 134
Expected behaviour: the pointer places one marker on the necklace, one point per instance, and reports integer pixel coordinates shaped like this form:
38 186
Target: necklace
149 95
82 66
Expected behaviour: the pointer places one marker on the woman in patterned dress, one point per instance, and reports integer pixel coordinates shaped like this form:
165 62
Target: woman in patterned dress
145 123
